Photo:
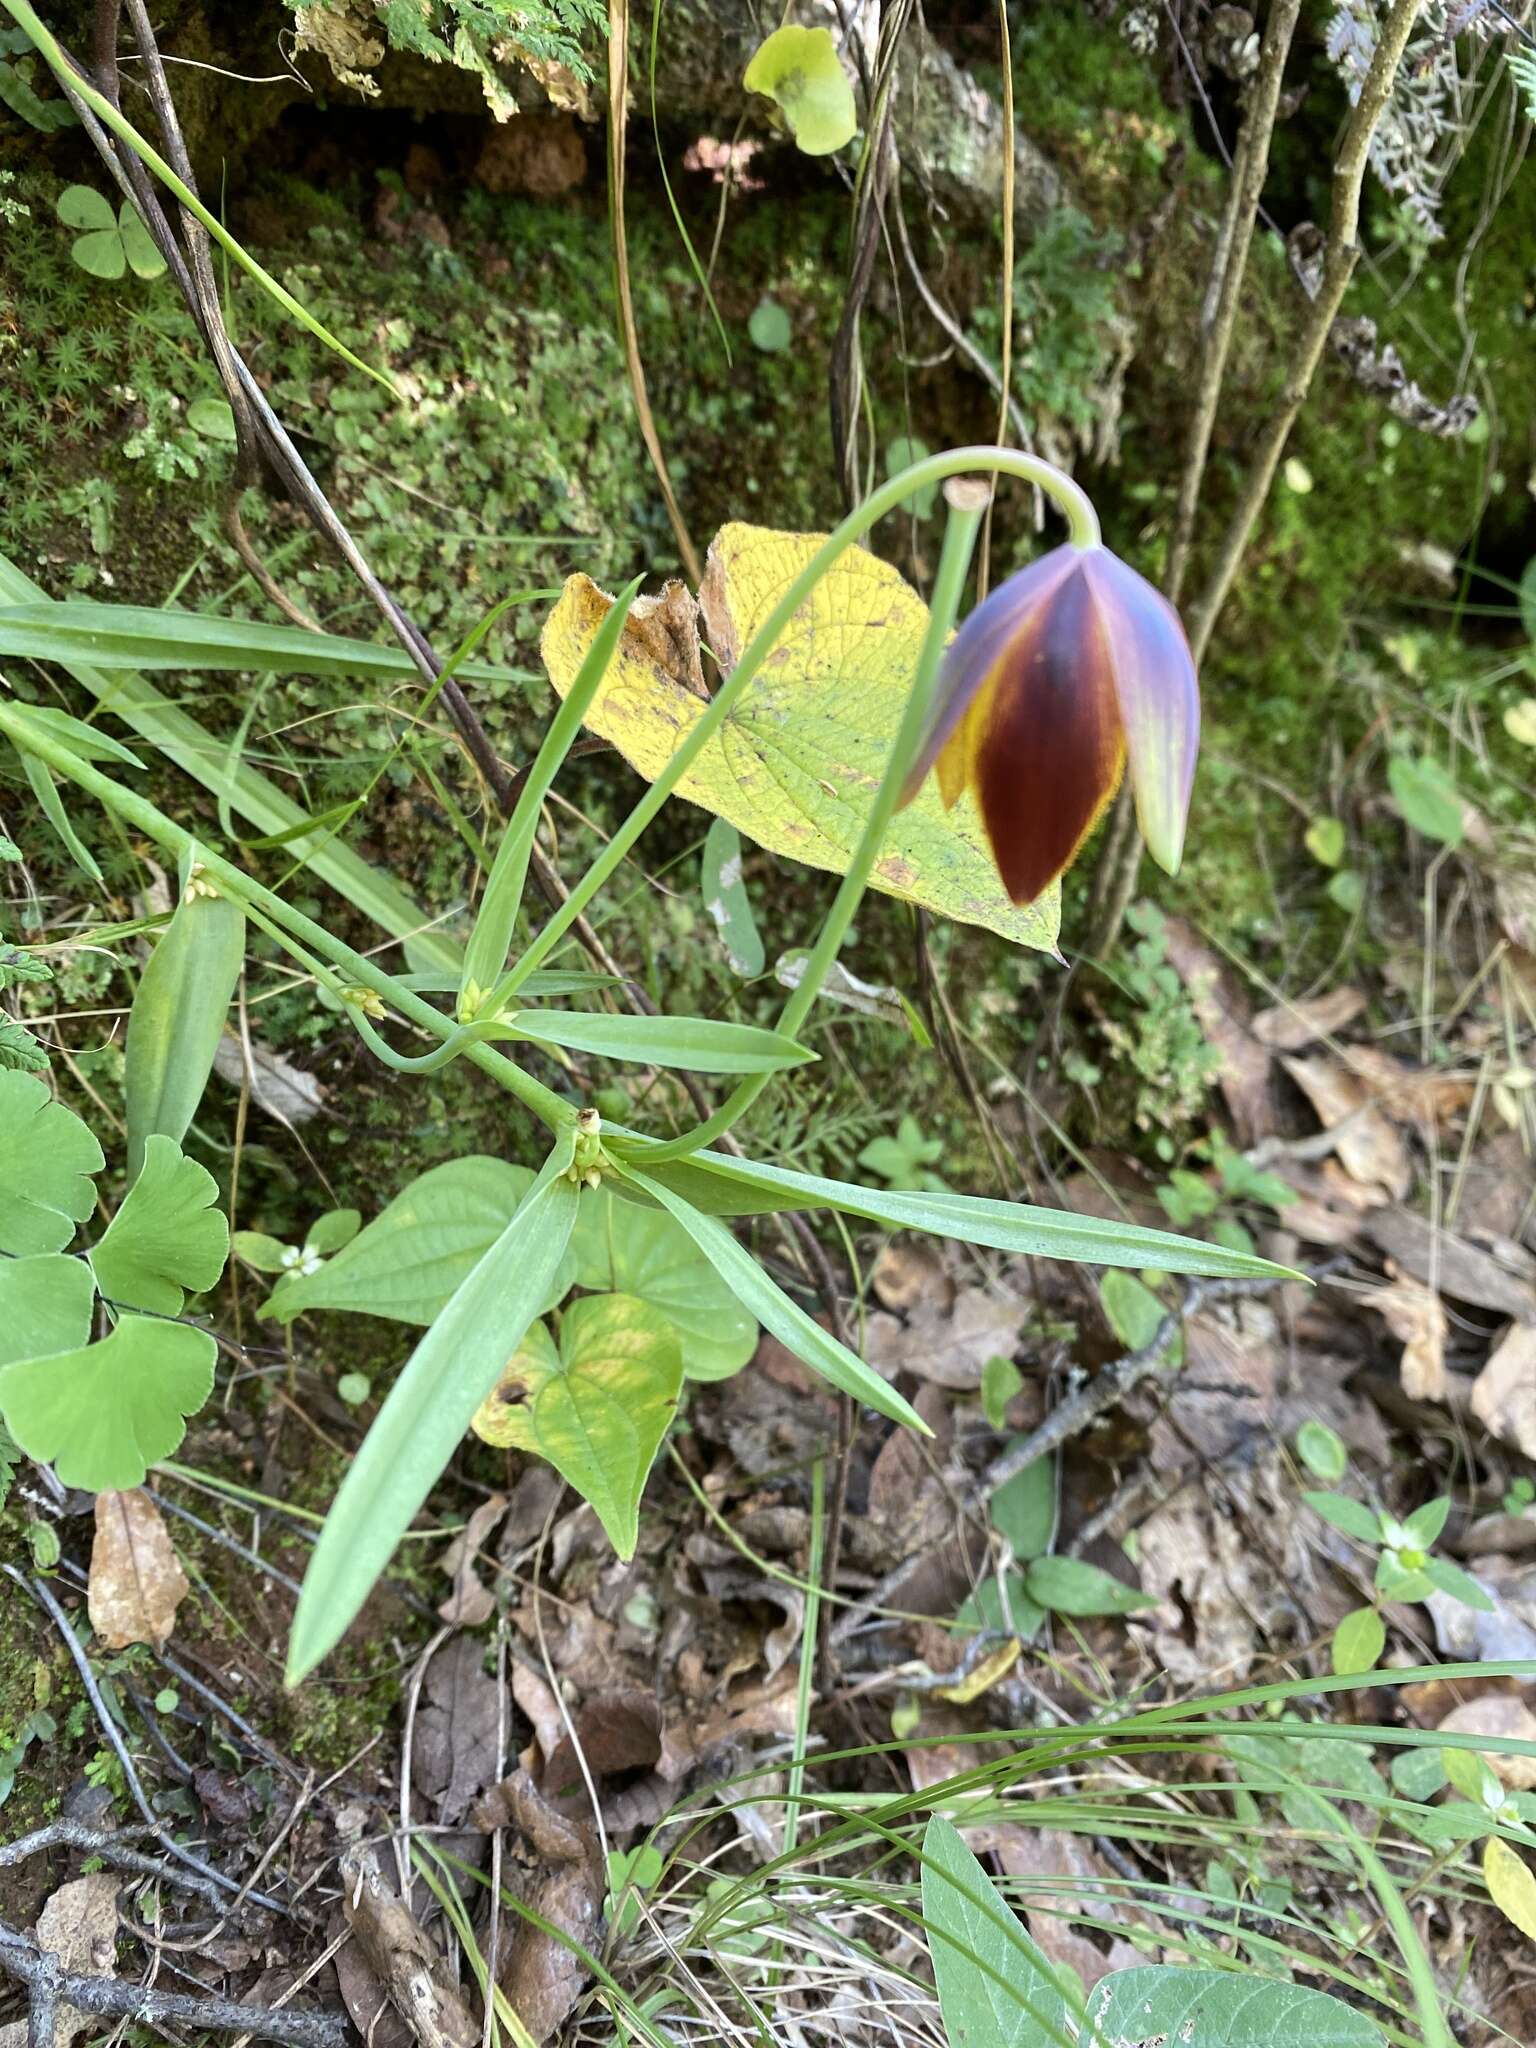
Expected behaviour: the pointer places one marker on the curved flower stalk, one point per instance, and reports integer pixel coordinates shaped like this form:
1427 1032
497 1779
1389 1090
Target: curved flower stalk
1071 673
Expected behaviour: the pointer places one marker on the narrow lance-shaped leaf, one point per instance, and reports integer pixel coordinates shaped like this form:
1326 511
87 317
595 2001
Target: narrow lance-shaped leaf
777 1313
219 767
721 1186
154 637
430 1407
46 791
177 1018
485 957
701 1045
726 900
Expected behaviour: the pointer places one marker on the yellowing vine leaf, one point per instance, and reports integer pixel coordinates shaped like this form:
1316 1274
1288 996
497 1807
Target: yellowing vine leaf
1510 1884
797 761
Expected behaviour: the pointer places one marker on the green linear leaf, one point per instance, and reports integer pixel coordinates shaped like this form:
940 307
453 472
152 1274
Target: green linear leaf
149 637
718 1185
177 1017
777 1313
702 1045
430 1407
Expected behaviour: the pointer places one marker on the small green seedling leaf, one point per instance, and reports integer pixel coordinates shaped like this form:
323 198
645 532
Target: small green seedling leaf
1002 1607
46 1156
1000 1381
407 1263
353 1388
330 1232
103 1414
1427 797
596 1405
214 419
900 454
1131 1309
1358 1642
45 1306
1322 1451
726 900
1070 1585
1346 892
1446 1577
167 1240
1325 841
770 328
265 1254
1418 1773
630 1873
178 1015
1221 2009
1352 1517
800 71
996 1988
1023 1509
1426 1524
1470 1776
620 1248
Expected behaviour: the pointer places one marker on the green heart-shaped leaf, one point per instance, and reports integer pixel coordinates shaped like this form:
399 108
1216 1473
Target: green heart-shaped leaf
596 1405
623 1249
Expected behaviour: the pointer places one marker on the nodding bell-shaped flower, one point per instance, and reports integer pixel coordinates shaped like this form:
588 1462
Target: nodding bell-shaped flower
1069 673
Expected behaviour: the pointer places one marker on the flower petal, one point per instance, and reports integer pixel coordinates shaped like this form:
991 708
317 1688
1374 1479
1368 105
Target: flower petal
1158 697
1049 753
970 663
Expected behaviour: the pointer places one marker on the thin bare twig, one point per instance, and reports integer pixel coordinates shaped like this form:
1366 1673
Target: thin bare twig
213 1882
49 1987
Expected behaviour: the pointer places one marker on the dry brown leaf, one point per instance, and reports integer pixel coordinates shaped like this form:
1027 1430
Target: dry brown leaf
454 1753
947 1346
285 1092
907 1274
1446 1262
471 1602
1499 1714
1504 1392
1414 1315
1222 1012
1292 1027
1414 1094
541 1978
136 1582
1052 1852
1368 1146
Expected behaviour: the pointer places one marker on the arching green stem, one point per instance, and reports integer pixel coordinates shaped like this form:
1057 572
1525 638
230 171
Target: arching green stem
135 810
968 500
1070 499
